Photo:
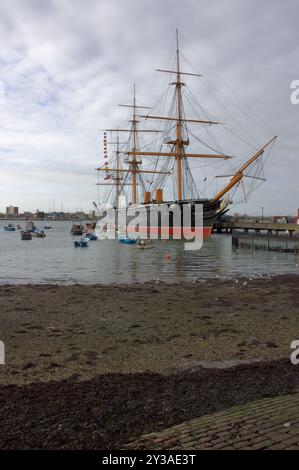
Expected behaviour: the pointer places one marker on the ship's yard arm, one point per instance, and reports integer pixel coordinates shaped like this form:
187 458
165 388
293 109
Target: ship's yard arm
240 173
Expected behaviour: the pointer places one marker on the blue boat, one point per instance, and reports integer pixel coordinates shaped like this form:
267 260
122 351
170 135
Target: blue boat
10 228
91 236
128 241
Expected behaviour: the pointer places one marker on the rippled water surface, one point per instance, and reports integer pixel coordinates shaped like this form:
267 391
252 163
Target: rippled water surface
55 260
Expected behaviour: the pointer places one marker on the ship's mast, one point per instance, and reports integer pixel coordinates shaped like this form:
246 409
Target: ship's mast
179 144
134 164
117 179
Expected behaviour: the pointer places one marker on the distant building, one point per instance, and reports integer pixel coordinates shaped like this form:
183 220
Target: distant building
11 210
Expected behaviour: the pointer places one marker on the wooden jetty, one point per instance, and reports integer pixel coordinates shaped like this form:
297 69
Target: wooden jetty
257 227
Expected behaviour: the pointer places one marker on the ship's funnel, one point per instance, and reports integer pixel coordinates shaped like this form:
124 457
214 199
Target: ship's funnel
159 196
147 197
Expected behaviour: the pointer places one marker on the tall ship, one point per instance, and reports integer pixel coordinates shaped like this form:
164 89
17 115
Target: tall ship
158 165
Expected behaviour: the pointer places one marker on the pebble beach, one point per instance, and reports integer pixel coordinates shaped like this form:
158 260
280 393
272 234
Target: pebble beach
52 331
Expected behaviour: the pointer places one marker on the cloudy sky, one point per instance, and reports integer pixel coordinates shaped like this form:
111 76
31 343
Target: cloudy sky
64 65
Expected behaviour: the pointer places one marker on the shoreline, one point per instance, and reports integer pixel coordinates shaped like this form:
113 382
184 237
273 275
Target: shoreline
195 280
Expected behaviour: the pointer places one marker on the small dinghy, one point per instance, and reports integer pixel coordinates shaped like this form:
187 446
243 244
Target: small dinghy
144 244
10 228
39 234
128 241
91 236
26 235
47 227
83 243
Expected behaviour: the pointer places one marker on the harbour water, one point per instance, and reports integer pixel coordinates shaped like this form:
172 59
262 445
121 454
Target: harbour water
55 260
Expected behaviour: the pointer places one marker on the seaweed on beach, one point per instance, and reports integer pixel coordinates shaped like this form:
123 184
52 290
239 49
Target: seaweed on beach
112 409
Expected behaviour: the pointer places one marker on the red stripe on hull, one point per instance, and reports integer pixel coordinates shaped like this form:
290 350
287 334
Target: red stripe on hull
178 232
